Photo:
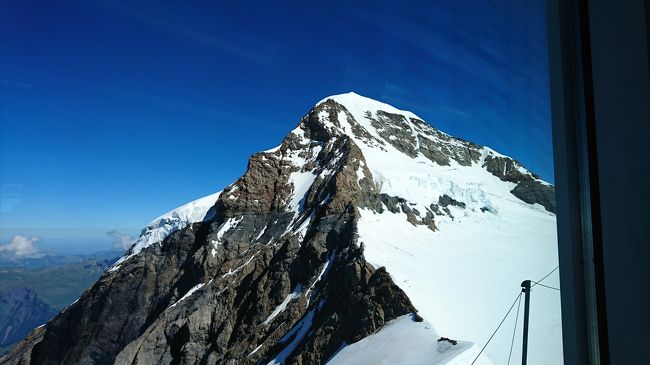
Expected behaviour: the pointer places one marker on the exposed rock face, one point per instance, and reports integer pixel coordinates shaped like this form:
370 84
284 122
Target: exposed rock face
445 201
275 272
529 187
533 191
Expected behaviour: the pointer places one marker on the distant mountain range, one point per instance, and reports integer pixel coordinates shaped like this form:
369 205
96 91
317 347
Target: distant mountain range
34 290
20 312
50 260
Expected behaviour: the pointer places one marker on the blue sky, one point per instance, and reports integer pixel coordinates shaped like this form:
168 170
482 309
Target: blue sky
114 112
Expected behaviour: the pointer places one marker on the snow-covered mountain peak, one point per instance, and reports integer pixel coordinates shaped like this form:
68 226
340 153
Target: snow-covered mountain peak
409 158
365 119
358 105
372 123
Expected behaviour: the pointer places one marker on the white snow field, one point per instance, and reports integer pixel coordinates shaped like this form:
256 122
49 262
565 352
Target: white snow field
403 341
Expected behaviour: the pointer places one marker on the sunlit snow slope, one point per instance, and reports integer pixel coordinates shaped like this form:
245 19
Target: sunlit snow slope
161 227
405 342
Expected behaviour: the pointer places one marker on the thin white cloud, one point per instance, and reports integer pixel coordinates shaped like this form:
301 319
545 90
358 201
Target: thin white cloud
121 241
10 195
21 247
20 84
169 24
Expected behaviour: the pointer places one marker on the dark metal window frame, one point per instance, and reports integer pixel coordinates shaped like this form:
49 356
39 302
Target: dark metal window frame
580 245
587 84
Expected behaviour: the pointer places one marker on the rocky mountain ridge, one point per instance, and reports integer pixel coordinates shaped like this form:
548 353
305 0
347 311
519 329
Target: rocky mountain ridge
22 310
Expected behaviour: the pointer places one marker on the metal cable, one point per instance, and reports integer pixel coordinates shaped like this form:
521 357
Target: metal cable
514 330
499 326
545 276
546 286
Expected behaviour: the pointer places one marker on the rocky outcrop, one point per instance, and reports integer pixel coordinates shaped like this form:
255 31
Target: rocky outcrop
529 187
440 147
534 191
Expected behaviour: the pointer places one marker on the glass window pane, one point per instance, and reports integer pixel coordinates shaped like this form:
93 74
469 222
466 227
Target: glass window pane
355 183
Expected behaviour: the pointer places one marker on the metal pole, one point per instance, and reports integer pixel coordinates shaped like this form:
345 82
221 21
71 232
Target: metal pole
525 288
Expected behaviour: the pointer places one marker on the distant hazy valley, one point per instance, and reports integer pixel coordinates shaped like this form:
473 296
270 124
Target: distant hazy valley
34 290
